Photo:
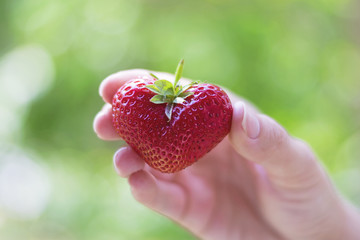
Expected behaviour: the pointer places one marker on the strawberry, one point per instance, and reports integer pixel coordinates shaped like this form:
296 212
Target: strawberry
169 125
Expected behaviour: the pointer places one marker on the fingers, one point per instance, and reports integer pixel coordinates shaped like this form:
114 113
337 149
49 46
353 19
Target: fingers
172 198
167 194
165 197
288 162
127 162
200 202
111 84
103 126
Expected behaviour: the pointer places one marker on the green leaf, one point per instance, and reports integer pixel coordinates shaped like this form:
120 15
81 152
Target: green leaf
178 89
168 110
153 88
186 94
178 72
169 93
179 100
186 87
158 99
153 75
165 87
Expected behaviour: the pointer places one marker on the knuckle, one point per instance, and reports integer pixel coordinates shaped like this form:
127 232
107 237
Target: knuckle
276 137
306 151
305 168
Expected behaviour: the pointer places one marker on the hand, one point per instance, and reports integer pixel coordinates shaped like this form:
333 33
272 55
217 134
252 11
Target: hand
258 183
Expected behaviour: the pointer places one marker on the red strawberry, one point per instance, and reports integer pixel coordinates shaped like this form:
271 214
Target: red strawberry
168 125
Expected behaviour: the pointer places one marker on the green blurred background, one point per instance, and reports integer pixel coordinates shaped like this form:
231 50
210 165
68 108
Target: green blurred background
298 60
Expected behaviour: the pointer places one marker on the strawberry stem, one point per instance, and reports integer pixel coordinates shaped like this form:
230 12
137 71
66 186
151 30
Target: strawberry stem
178 72
169 93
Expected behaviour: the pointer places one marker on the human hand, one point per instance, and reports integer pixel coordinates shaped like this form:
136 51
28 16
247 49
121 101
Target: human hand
258 183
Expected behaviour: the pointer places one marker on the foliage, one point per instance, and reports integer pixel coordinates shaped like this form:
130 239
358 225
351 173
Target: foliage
298 60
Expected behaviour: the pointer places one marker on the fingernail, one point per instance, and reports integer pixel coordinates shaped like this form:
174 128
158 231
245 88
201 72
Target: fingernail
250 124
239 110
100 90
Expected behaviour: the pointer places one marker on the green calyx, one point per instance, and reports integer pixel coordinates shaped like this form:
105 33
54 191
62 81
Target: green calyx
169 93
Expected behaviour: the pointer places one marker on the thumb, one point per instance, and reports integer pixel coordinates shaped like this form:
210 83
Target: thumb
288 162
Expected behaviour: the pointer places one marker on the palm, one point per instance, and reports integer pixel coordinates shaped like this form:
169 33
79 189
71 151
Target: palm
220 196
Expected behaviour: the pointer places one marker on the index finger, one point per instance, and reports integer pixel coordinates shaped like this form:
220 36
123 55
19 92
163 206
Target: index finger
112 83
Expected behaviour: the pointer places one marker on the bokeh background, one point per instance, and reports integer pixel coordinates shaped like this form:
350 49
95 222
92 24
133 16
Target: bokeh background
298 60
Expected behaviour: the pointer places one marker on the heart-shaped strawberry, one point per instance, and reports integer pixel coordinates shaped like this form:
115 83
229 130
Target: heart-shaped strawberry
171 126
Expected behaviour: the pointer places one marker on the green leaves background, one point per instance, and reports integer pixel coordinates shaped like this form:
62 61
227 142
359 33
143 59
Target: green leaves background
298 60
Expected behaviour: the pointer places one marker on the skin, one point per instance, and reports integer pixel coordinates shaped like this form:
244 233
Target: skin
258 183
